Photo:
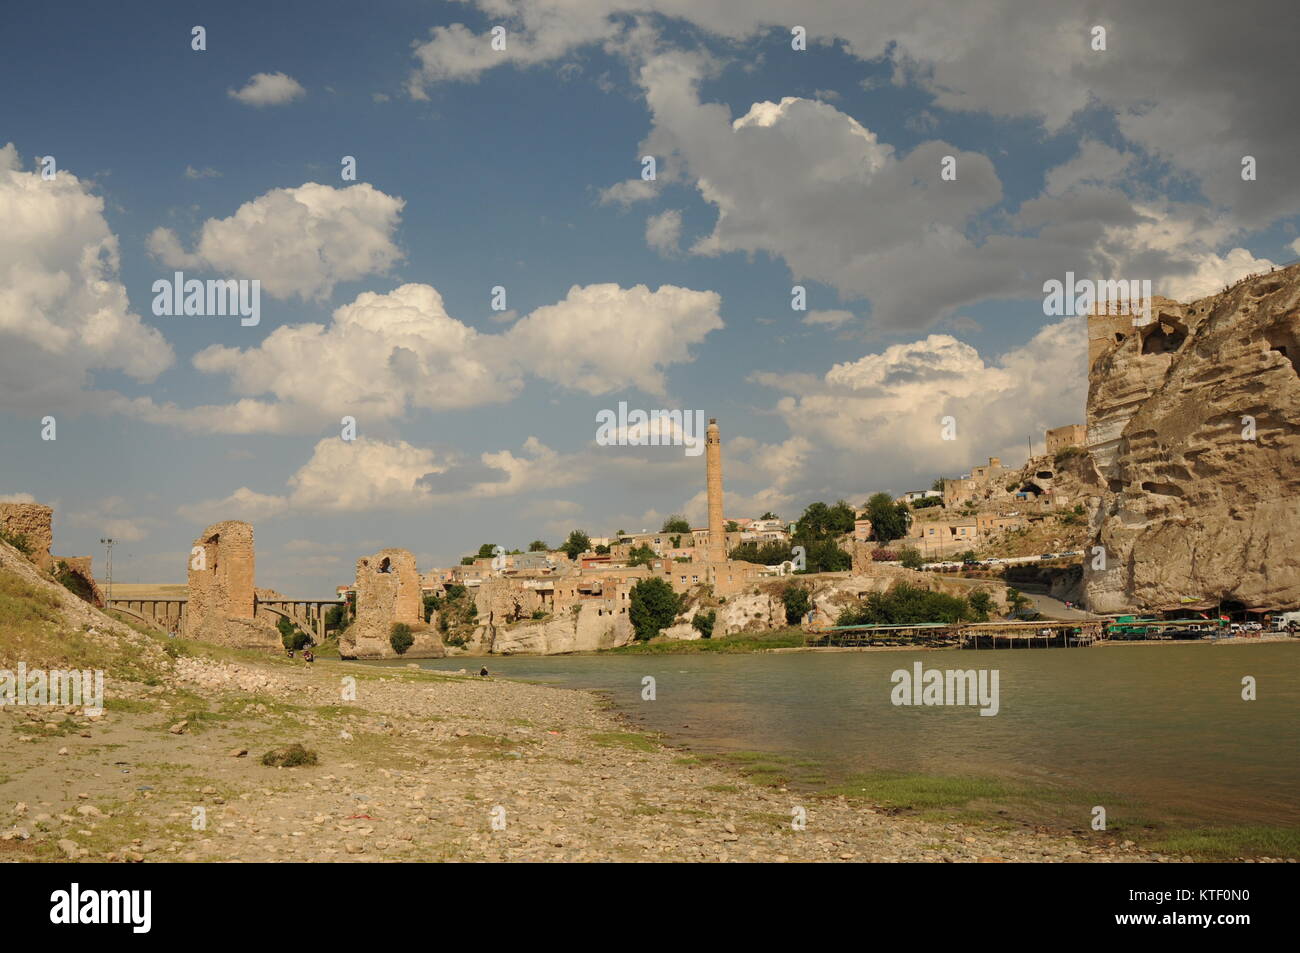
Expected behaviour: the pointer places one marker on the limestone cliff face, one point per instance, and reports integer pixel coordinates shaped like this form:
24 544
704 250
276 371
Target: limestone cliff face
1196 511
586 628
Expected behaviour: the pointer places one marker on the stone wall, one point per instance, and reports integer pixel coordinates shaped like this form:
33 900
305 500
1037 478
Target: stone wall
1194 510
388 592
34 521
222 600
1060 438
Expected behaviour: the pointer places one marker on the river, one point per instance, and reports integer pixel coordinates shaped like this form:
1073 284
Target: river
1163 727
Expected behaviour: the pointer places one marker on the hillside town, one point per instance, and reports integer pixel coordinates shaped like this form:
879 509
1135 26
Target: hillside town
1053 524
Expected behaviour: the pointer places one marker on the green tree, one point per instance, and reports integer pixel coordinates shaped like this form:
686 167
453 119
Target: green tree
732 527
889 520
641 555
652 607
577 544
337 618
905 605
703 623
797 601
676 524
602 550
911 557
825 556
400 638
818 529
820 521
486 550
769 515
765 554
938 484
538 546
293 637
981 604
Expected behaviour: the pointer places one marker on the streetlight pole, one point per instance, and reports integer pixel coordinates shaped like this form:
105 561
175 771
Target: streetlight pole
108 542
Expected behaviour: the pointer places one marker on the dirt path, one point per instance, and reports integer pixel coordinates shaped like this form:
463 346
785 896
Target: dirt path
418 767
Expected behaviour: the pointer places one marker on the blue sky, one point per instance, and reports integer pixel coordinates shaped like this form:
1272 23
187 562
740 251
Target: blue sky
521 168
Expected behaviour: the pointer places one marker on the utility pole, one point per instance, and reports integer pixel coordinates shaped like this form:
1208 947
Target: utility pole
108 570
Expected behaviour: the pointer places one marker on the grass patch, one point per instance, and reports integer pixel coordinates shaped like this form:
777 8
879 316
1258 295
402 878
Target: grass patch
1227 843
131 706
739 643
624 739
924 792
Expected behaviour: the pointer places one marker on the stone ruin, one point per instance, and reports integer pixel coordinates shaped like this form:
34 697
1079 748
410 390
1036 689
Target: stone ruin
34 522
222 604
84 583
388 592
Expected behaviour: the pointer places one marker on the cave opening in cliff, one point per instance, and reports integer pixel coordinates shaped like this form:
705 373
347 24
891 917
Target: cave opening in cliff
1283 339
1166 336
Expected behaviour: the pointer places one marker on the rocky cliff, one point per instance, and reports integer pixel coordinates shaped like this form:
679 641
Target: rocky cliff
1194 421
586 628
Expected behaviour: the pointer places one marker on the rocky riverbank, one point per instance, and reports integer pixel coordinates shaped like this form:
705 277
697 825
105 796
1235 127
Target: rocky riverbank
420 766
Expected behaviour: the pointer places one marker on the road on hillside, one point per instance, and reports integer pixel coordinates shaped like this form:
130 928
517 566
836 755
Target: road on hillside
1050 607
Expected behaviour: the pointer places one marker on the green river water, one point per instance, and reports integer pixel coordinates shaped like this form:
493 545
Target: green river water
1160 731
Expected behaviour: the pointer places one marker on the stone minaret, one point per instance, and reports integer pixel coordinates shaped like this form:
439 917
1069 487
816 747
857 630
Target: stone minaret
713 463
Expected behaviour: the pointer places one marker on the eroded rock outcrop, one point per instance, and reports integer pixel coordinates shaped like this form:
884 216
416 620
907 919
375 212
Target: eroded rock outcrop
1194 421
582 628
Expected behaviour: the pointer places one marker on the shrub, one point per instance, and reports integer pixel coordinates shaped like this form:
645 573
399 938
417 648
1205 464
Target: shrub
290 756
883 555
703 623
400 637
18 541
911 557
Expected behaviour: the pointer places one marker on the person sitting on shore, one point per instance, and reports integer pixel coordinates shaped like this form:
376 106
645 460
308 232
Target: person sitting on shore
289 652
307 656
483 672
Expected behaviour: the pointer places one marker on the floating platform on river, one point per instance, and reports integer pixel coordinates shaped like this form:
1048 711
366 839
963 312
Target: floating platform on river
921 634
964 635
1030 635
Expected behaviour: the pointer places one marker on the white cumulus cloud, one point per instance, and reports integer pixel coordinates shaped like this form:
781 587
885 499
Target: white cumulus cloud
64 312
297 241
268 89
